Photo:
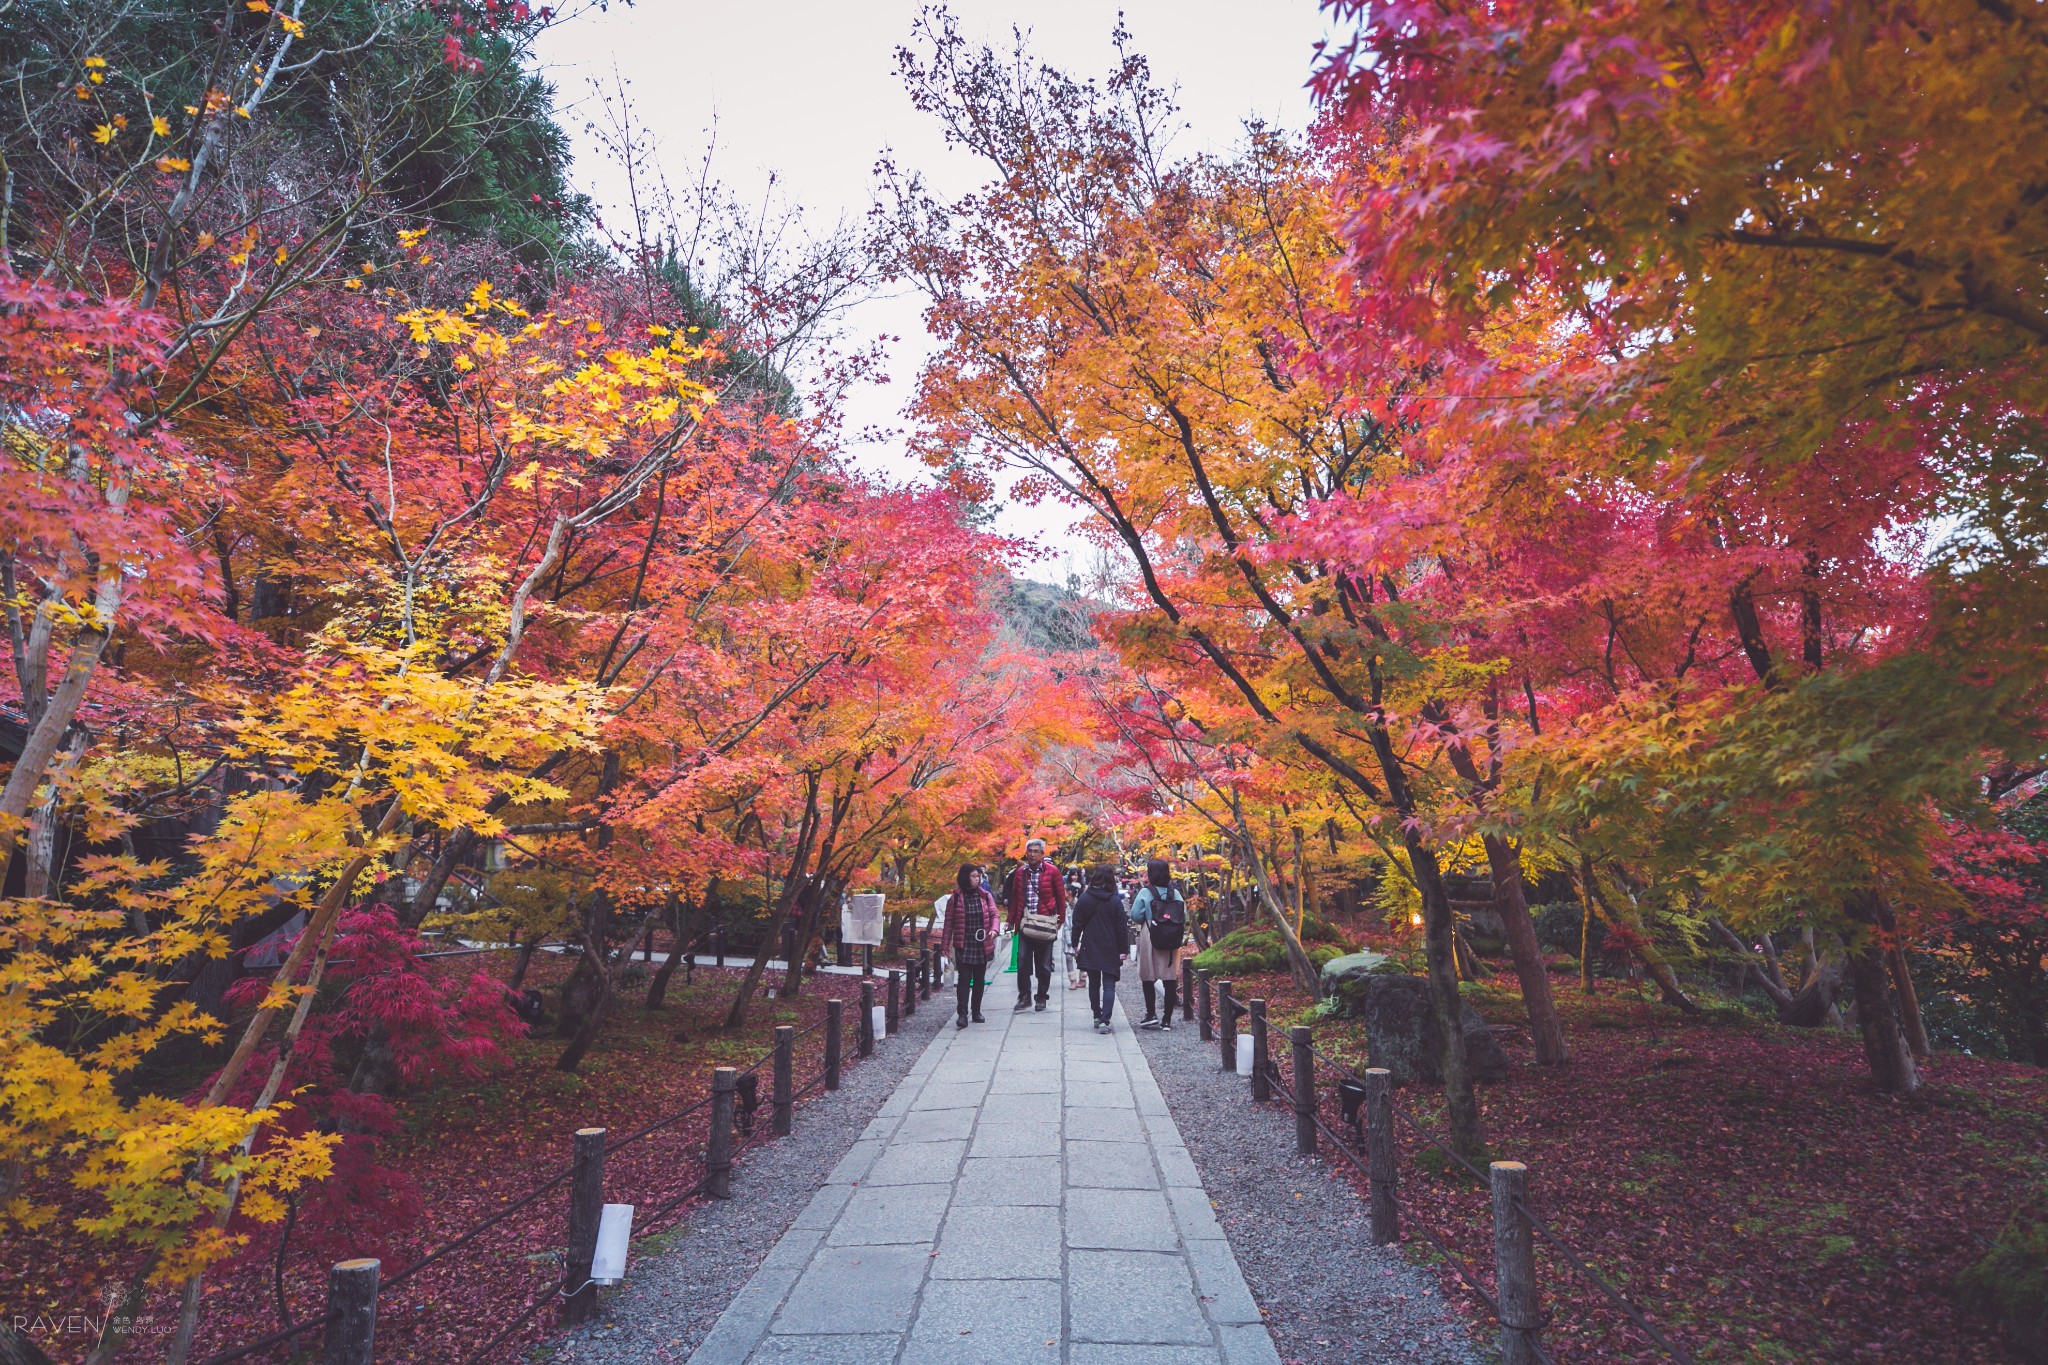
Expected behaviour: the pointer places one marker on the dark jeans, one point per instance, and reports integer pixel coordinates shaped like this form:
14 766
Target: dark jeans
968 984
1034 955
1172 994
1101 995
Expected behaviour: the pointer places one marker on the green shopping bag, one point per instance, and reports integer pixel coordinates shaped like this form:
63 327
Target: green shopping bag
1012 968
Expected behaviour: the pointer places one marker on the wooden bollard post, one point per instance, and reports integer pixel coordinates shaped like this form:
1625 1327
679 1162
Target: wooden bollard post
909 987
927 964
352 1300
1302 1041
1381 1164
718 945
835 1021
1226 1024
586 1208
785 1062
718 1151
867 1018
1187 991
1514 1265
1205 1015
892 1014
1262 1083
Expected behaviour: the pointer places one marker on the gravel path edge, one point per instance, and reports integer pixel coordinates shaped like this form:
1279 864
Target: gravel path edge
671 1300
1297 1227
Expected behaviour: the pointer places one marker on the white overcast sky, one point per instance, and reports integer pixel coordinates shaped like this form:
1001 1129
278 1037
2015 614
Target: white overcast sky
808 91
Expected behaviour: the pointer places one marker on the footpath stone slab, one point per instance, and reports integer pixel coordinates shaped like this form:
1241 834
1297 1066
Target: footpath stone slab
1110 1165
1023 1198
1221 1284
1141 1297
917 1163
861 1350
883 1215
950 1095
997 1180
1096 1353
852 1290
855 1164
994 1320
1105 1125
1120 1220
1000 1244
1026 1083
935 1125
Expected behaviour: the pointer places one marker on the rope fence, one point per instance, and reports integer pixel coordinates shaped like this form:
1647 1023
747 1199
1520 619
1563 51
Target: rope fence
1364 1128
734 1103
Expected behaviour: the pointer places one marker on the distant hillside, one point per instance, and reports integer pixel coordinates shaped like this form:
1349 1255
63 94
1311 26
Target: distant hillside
1048 618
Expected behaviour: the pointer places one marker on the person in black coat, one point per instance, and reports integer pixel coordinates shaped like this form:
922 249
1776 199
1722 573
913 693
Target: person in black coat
1101 940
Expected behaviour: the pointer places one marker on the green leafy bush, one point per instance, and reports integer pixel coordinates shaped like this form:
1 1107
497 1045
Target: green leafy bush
1558 925
2010 1286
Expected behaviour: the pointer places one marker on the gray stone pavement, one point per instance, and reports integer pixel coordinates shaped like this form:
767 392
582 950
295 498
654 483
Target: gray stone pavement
1023 1196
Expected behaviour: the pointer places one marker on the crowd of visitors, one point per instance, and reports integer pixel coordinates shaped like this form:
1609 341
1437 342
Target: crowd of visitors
1099 927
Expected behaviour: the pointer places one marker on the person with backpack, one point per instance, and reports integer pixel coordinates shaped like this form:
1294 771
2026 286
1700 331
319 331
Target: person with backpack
1101 933
1161 913
969 938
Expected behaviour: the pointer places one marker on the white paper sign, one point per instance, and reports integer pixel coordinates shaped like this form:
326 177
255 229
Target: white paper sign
861 920
614 1236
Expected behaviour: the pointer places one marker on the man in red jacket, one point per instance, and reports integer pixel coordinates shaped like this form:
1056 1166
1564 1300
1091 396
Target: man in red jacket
1034 887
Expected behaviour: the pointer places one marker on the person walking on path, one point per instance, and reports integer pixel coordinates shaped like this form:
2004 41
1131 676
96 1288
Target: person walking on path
1101 938
969 938
1035 900
1161 914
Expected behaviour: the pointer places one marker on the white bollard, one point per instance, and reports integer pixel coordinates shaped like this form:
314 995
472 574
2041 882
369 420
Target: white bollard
1244 1055
880 1017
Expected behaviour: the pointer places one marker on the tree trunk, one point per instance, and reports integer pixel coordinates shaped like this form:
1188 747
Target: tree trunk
1636 939
1511 903
1585 942
597 1003
45 825
1913 1024
1910 1020
1884 1043
527 947
579 995
1468 1137
815 899
1807 1007
682 922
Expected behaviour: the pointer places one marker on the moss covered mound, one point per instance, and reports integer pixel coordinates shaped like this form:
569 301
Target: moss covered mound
1259 948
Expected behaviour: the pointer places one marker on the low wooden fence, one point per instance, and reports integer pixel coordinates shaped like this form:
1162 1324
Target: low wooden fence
349 1326
1367 1110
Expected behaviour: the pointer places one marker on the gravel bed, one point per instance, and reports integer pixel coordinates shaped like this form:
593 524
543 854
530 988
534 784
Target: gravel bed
1298 1228
671 1299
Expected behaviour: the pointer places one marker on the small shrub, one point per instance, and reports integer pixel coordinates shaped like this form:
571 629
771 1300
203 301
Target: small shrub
2010 1286
1559 923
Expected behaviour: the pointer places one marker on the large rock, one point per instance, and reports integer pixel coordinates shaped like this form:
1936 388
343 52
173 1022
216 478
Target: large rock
1339 970
1400 1027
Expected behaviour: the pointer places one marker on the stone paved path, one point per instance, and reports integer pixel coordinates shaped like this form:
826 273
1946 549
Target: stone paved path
1024 1196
